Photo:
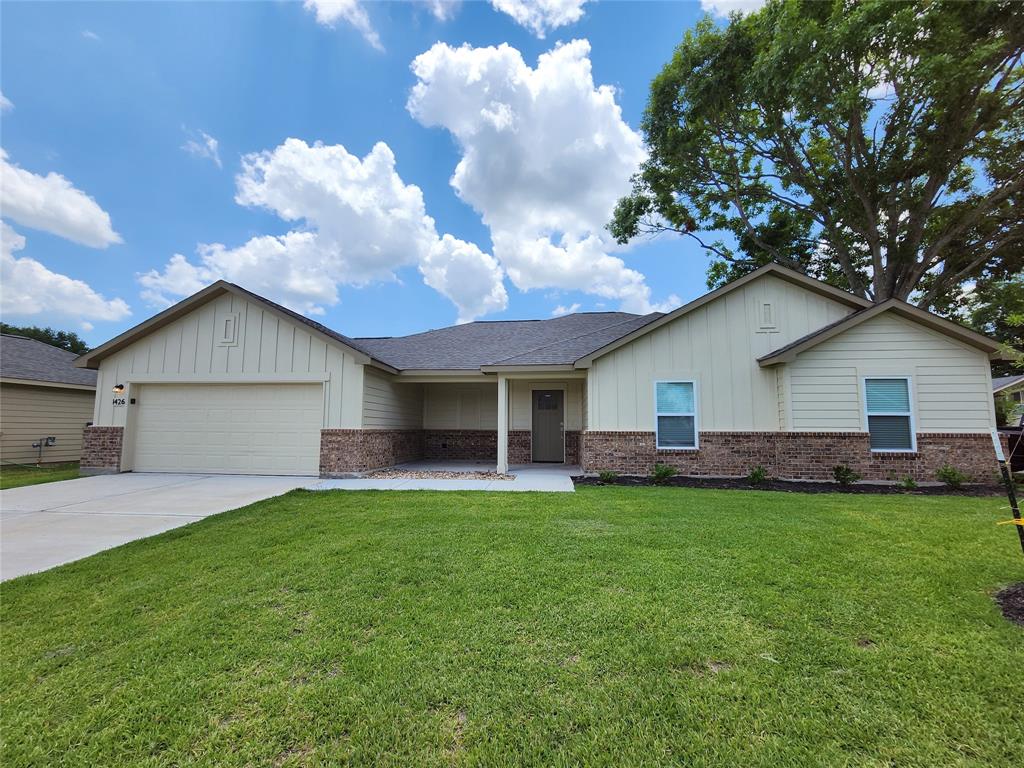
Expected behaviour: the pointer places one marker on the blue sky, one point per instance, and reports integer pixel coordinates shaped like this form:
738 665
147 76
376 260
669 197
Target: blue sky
122 100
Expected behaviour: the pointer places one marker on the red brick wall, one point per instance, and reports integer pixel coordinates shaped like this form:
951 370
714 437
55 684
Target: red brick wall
348 451
460 444
520 446
572 447
344 451
792 455
101 450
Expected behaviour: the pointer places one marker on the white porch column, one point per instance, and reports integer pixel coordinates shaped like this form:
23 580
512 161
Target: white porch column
502 423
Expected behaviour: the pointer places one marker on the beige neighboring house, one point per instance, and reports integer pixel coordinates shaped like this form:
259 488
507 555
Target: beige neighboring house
42 395
775 370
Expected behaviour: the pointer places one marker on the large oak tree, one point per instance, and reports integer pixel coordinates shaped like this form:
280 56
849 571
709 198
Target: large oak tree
877 145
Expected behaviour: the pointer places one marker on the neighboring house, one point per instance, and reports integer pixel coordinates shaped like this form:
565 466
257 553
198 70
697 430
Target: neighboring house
774 369
1012 388
42 395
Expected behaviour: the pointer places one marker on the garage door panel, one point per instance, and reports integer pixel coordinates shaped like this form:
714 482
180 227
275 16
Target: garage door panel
244 428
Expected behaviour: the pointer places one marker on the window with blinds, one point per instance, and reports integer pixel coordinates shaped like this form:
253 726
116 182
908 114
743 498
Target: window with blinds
889 415
675 414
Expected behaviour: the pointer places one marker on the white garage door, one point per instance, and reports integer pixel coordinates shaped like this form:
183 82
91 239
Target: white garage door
257 429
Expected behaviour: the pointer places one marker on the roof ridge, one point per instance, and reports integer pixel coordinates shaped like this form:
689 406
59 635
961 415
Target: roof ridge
572 338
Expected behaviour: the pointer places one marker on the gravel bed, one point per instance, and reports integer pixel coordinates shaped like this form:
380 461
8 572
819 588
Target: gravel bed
386 474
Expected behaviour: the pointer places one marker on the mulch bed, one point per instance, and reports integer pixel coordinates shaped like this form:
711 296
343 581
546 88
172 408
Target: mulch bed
794 486
1011 600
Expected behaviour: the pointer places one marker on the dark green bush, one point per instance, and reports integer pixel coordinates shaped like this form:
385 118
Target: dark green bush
758 475
662 473
907 483
844 475
951 476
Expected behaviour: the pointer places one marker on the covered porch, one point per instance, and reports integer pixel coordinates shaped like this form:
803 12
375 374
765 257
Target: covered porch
498 420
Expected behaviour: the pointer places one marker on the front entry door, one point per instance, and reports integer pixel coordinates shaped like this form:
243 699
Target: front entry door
548 425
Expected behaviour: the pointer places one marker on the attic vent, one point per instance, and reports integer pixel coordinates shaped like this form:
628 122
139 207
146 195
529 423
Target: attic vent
767 316
227 329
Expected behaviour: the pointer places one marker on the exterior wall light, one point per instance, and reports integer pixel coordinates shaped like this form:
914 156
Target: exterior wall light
119 389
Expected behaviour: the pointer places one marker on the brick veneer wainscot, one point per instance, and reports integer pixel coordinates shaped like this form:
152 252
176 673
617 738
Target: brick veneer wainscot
793 455
520 446
345 451
101 450
460 444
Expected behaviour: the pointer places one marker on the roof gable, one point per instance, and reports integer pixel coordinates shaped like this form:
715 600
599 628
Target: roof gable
928 319
92 358
783 273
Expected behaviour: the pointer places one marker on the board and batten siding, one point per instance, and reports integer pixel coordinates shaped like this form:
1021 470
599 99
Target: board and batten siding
951 387
717 346
388 404
266 348
28 413
460 406
521 402
475 406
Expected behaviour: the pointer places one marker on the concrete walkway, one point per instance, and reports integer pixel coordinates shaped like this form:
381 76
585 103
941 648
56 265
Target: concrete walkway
549 478
53 523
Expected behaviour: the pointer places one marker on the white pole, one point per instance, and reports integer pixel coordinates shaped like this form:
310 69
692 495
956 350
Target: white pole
502 424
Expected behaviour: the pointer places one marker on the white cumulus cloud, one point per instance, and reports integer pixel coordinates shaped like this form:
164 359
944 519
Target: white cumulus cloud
545 156
28 289
561 309
443 10
328 12
471 277
722 8
541 16
5 103
202 144
355 220
53 204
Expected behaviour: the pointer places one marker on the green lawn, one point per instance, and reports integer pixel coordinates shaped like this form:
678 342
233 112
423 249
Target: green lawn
614 627
15 476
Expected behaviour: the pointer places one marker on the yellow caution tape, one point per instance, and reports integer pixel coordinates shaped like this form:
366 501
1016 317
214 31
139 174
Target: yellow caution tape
1011 522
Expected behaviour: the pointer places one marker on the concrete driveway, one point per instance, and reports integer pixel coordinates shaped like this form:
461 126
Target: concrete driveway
45 525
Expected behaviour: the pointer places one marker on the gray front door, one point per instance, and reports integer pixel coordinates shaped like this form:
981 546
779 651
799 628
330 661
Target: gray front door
548 422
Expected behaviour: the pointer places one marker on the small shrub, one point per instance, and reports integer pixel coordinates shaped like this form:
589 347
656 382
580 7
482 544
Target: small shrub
757 475
951 476
907 483
607 477
662 473
844 475
1004 410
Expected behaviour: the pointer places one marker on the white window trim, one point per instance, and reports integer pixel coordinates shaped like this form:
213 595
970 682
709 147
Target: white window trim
909 412
696 419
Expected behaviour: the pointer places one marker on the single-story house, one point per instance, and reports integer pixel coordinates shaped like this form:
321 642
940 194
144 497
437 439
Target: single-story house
45 402
1012 388
775 369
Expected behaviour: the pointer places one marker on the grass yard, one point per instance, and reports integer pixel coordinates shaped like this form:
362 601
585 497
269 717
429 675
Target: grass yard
611 627
17 475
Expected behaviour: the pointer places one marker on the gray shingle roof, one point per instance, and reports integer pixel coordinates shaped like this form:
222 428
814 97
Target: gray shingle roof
560 340
23 358
1002 382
